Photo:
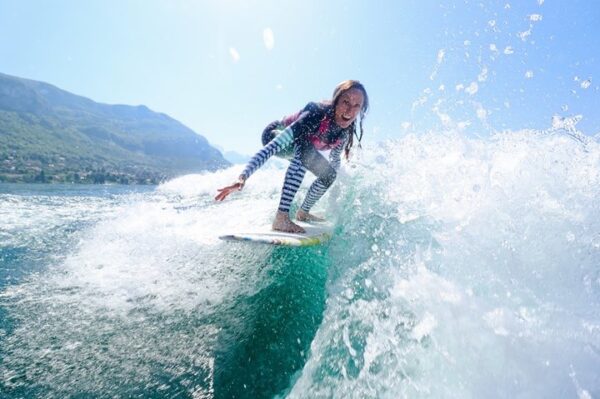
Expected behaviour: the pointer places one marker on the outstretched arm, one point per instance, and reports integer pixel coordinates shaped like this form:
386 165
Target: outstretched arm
273 147
307 121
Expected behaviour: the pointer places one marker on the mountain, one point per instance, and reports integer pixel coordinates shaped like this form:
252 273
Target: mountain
48 134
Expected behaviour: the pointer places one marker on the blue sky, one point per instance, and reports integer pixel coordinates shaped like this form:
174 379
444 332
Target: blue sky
226 68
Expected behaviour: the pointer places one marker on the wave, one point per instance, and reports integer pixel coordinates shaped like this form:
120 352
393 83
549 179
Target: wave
459 267
470 269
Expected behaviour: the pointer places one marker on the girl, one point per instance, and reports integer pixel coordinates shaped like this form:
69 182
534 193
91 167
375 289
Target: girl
329 125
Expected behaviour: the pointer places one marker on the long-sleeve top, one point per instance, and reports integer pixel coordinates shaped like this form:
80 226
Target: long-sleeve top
315 124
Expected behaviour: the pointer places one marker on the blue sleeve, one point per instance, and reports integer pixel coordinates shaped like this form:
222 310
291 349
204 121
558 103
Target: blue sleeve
279 143
334 155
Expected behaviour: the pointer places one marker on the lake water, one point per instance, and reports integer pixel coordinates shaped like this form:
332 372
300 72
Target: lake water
459 268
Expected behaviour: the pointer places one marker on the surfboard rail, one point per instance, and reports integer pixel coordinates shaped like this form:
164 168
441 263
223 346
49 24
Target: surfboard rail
315 235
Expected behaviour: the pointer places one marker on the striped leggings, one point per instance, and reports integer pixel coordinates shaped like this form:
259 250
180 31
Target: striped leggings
304 157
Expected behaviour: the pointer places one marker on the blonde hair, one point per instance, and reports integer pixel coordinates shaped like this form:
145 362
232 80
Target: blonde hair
337 92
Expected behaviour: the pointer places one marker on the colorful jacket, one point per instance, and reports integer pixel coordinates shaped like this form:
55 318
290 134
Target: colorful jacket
314 123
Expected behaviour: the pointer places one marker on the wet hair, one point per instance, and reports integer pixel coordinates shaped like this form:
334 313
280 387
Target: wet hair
341 89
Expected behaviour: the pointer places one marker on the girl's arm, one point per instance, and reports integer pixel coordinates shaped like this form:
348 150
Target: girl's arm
334 155
279 143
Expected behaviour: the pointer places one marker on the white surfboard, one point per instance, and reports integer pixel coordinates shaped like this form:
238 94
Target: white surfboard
315 234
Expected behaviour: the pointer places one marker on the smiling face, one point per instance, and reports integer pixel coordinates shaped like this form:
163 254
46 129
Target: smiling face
348 107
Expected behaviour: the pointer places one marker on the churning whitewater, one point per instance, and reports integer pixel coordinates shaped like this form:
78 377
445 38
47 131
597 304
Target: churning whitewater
460 267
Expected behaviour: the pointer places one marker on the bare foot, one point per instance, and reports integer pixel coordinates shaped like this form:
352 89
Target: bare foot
304 216
283 223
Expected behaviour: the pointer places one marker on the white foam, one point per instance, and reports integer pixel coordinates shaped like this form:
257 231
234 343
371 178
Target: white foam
473 265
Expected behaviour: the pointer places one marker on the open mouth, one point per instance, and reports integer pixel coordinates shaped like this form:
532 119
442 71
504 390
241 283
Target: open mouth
344 120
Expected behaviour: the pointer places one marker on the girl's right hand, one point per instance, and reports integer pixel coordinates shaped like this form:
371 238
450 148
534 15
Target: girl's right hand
225 191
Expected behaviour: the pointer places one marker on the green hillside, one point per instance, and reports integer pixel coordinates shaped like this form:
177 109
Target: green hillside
50 135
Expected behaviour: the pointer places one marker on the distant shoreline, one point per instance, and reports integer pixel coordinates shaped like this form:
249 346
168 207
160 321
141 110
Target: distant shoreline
84 177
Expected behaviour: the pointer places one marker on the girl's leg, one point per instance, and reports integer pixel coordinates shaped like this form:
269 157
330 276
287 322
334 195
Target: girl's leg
293 179
317 164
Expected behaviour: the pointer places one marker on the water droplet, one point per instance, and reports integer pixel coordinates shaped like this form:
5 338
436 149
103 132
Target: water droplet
473 88
535 17
586 83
